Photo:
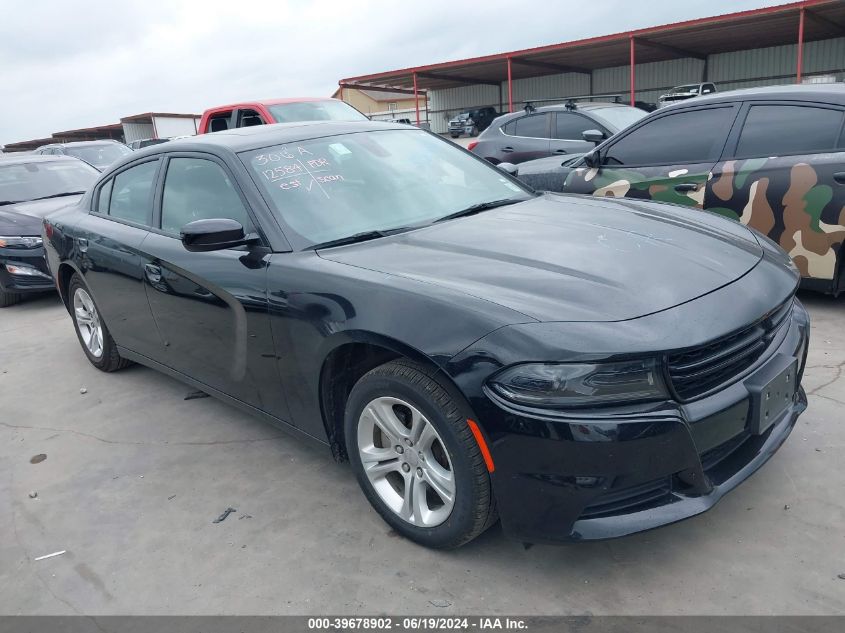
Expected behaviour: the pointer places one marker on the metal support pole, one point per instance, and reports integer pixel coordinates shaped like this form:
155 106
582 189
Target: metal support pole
633 65
416 100
510 87
800 63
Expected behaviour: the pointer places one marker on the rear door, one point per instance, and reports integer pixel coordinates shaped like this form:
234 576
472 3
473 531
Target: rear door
667 157
525 138
783 174
109 241
211 308
567 130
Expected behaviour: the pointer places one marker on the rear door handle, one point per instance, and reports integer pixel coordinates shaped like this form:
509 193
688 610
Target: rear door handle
839 177
153 273
83 245
561 151
507 150
686 186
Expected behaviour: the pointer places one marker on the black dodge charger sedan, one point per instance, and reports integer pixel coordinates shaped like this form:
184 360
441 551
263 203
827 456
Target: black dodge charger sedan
579 368
30 188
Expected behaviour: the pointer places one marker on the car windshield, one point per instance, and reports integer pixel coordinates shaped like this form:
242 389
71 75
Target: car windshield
99 155
619 117
315 111
463 116
688 88
21 182
334 187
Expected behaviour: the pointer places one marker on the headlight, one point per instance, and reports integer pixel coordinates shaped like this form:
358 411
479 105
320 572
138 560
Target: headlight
562 385
22 269
20 242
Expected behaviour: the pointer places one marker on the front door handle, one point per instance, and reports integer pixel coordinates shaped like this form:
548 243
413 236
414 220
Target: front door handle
153 273
839 177
507 150
561 151
686 186
83 245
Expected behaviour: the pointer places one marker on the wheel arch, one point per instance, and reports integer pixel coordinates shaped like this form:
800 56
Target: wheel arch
353 355
63 276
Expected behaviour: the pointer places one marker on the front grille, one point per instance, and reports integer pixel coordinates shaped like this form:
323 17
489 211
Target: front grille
28 281
628 500
696 371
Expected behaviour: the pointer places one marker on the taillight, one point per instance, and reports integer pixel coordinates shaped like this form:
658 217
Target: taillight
471 144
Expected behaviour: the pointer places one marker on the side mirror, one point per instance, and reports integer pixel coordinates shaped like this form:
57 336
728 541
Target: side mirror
593 136
592 158
509 168
201 236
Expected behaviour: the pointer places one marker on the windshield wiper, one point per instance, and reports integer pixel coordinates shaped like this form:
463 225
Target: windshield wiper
481 206
58 195
363 237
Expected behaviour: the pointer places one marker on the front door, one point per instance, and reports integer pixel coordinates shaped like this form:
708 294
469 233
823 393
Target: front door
567 131
211 308
784 175
667 158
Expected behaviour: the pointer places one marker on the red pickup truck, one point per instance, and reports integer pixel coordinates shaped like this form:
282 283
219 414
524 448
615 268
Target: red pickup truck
277 111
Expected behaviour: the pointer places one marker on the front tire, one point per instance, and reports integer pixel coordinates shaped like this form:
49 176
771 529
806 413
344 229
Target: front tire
415 456
93 335
9 298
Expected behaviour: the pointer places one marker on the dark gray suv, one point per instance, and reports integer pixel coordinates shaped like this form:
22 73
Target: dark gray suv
552 130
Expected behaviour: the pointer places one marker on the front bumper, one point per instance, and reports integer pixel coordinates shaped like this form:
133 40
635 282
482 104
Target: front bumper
33 261
607 473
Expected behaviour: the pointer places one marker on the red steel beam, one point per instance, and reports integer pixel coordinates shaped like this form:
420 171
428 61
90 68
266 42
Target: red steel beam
510 87
416 100
633 68
800 62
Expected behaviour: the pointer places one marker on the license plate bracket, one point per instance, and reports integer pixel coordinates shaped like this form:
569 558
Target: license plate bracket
772 390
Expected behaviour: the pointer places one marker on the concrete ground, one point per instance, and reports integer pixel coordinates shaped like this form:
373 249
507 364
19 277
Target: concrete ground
134 475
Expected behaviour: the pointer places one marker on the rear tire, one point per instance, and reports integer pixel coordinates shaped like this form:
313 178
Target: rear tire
9 298
91 330
424 471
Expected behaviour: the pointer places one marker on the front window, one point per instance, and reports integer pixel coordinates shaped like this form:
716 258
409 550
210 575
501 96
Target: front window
617 118
335 187
315 111
99 155
22 182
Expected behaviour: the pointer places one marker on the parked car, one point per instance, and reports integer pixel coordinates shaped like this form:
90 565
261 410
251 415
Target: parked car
100 154
30 187
552 130
687 91
294 110
772 158
474 349
146 142
472 122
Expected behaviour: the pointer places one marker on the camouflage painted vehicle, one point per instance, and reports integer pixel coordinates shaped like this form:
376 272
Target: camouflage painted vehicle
771 158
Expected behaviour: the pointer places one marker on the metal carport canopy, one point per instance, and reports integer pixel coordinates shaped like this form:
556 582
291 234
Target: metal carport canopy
792 23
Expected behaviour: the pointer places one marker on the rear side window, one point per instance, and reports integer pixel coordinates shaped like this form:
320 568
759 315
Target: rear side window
533 126
248 118
104 196
774 130
199 189
693 136
570 126
131 195
219 122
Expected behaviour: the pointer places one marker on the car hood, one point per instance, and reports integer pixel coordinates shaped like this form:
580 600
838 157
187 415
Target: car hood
570 258
42 208
17 224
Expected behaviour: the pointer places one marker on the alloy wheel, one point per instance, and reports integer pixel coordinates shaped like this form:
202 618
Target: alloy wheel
406 461
88 322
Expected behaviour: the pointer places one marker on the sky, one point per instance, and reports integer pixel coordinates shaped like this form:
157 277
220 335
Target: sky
68 64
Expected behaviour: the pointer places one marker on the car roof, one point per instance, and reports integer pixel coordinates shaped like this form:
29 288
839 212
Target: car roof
23 157
268 102
258 136
582 106
824 93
